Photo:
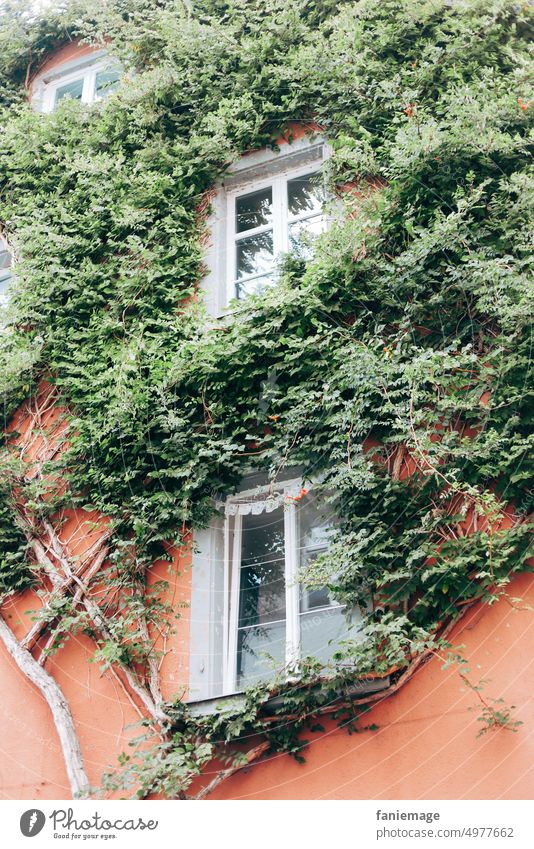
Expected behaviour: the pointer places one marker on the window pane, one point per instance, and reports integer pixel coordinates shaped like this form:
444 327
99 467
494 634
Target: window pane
254 210
254 255
5 280
5 258
321 632
262 585
302 234
255 286
322 620
5 272
261 632
106 82
315 597
304 195
260 652
315 526
73 90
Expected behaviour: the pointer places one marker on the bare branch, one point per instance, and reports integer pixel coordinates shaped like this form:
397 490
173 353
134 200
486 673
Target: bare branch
59 708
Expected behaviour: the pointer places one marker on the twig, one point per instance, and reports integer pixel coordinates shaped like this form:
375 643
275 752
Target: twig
250 756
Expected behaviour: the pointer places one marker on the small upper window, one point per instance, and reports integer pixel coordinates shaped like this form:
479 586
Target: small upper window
269 203
87 84
73 90
276 218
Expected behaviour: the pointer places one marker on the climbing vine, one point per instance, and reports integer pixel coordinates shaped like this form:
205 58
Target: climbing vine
401 351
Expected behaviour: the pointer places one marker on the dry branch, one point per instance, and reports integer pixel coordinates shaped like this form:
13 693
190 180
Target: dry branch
252 755
59 708
65 576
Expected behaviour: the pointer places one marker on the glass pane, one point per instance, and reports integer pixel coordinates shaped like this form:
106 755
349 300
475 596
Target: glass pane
314 597
304 195
315 526
302 234
73 90
321 632
322 619
255 286
262 584
5 280
254 210
260 652
254 254
5 272
106 82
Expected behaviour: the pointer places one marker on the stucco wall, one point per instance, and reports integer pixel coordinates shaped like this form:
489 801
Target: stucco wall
31 763
426 746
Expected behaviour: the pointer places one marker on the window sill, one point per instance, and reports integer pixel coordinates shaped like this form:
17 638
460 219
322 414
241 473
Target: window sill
234 701
218 704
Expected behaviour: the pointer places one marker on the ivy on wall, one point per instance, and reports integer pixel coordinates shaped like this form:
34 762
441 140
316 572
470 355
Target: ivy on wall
404 343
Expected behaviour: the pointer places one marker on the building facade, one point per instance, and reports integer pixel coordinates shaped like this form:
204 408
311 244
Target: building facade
242 613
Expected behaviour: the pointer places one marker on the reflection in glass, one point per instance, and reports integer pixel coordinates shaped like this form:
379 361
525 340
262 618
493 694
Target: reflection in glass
302 233
315 525
323 622
5 257
262 605
5 271
73 90
262 585
254 254
321 632
106 82
254 210
253 287
260 651
304 195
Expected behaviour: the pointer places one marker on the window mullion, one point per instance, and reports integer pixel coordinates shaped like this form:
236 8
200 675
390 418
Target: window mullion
278 216
291 580
254 231
88 87
231 270
231 661
226 589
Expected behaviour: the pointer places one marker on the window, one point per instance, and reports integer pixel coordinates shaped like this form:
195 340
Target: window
270 221
87 83
251 617
268 203
6 273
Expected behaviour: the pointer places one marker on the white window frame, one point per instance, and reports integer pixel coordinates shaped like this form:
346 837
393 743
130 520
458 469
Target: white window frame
86 73
250 173
281 221
288 495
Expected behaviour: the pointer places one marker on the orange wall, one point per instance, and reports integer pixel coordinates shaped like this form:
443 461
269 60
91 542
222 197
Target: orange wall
31 764
426 746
